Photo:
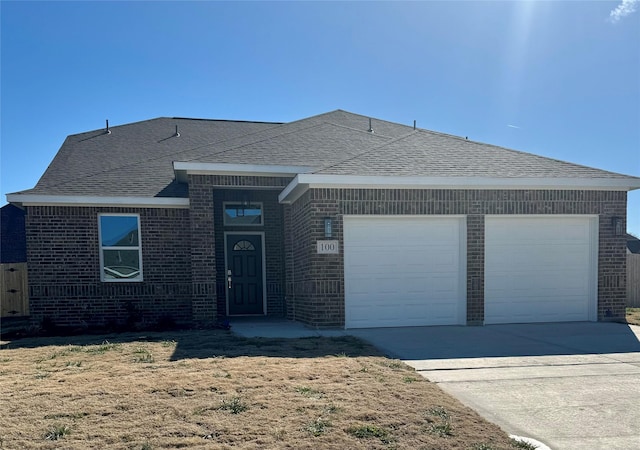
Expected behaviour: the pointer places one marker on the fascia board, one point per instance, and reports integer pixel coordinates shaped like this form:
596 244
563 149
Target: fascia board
613 184
293 190
306 181
73 200
259 170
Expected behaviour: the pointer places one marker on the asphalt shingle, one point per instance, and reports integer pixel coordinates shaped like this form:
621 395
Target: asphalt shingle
136 159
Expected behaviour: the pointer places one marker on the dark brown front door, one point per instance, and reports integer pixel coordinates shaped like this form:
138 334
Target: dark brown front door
244 274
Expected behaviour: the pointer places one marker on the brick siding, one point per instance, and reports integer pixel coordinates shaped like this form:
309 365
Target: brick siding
183 250
207 194
317 288
64 268
273 242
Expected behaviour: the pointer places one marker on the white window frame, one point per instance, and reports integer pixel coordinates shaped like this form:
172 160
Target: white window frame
249 204
102 248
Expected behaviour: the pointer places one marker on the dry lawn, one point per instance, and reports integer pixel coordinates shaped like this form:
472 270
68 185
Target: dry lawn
633 316
211 389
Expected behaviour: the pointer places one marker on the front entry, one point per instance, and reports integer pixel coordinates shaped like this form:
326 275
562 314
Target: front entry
245 274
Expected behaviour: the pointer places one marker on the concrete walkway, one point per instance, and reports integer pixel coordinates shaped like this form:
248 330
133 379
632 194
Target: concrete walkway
569 385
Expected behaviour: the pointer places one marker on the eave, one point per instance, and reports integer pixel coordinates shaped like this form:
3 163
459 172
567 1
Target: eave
79 200
182 169
302 182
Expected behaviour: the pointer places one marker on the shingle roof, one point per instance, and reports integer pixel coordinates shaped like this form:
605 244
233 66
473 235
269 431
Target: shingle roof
136 159
426 153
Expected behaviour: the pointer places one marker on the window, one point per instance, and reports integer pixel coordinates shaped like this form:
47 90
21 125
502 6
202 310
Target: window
120 250
241 246
243 214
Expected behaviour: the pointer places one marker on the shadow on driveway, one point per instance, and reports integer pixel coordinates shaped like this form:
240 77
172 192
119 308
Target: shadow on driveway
576 338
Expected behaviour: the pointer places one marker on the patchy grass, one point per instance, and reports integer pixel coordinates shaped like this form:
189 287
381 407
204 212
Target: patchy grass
633 316
211 389
56 432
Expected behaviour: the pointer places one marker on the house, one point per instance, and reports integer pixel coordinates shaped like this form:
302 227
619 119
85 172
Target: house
13 246
633 244
14 301
336 220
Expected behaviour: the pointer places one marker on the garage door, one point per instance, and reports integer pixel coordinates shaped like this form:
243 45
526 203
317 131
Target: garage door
404 271
540 269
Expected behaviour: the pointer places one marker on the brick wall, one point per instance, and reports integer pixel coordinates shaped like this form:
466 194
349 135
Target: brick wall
273 242
202 247
183 250
64 267
317 289
207 193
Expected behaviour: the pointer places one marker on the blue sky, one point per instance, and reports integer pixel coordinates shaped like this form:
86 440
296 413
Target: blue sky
559 79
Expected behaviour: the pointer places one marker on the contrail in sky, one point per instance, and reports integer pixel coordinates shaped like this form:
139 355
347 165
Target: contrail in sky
623 10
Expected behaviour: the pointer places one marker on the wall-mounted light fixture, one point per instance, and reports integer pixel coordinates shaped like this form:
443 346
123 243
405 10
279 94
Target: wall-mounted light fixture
618 226
327 227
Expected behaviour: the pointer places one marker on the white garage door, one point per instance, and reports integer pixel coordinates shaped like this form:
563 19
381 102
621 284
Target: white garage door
404 271
540 269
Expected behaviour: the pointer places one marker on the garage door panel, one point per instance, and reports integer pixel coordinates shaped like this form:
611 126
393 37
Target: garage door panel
553 282
403 271
539 269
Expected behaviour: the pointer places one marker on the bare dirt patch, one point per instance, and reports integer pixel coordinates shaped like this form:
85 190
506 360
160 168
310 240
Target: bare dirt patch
211 389
633 316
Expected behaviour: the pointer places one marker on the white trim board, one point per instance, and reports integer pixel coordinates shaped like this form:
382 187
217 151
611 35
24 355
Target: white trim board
255 170
302 182
79 200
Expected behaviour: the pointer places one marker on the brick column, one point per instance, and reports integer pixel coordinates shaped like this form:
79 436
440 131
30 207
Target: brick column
612 260
475 269
203 261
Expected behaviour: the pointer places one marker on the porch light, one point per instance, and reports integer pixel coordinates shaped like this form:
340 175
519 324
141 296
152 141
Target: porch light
327 227
618 226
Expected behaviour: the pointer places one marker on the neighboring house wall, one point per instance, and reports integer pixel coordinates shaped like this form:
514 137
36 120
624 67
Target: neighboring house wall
633 280
13 245
318 287
64 268
14 295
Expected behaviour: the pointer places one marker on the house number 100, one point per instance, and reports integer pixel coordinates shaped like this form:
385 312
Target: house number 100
328 247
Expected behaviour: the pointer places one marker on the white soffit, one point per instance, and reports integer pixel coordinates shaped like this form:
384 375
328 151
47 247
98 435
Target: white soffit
76 200
256 170
302 182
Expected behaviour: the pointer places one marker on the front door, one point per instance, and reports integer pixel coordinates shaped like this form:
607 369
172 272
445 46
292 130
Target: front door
245 293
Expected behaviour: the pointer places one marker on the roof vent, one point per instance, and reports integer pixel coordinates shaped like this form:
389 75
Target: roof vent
414 124
107 131
177 133
370 130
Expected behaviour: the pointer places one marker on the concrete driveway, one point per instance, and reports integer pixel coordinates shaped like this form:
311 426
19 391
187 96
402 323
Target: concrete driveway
569 385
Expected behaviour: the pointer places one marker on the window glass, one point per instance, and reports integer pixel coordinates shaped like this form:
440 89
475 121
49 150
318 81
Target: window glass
241 214
120 251
119 231
243 246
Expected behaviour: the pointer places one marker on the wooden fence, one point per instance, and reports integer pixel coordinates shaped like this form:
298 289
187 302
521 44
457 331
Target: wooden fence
633 280
14 291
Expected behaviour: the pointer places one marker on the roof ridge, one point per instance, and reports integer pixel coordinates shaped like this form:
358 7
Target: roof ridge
156 158
111 169
377 119
519 152
351 158
369 133
221 120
